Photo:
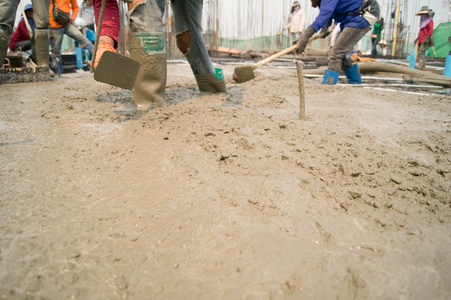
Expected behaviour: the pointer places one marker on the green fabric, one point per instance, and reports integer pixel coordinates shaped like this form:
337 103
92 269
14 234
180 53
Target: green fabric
442 44
378 27
151 42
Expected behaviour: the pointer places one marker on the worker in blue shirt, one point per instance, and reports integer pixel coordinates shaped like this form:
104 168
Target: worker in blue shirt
355 18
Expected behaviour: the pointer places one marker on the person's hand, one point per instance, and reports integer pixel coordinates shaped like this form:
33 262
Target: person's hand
102 48
303 40
325 30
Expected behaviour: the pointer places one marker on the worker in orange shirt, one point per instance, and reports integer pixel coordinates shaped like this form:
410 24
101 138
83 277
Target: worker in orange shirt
62 14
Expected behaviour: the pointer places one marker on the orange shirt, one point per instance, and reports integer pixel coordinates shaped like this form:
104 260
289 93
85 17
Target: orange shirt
64 5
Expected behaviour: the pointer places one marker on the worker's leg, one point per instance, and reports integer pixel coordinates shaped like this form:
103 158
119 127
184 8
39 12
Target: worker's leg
147 46
41 13
374 47
353 75
7 17
42 31
24 45
351 71
188 21
56 39
76 34
422 55
293 37
345 42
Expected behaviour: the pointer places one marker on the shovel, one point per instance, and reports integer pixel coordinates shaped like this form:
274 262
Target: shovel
113 68
246 73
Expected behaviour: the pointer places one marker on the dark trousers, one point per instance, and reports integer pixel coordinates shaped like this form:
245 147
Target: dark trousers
25 46
374 49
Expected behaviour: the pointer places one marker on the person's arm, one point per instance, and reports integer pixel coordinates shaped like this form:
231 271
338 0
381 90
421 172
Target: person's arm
75 9
22 27
289 24
325 14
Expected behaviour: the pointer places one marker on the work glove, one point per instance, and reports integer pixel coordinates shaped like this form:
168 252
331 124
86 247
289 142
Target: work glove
303 40
325 30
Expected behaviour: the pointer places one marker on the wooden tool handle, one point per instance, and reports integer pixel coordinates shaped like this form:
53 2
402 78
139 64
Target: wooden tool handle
25 18
281 53
274 56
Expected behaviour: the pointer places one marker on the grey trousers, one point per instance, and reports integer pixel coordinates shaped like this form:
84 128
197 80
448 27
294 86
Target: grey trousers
187 17
347 39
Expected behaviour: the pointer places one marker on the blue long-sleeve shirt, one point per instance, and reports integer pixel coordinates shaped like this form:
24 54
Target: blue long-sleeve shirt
338 10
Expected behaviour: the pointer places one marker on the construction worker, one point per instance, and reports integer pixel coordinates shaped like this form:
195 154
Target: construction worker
376 36
86 13
353 16
8 10
58 28
147 46
297 21
425 35
21 37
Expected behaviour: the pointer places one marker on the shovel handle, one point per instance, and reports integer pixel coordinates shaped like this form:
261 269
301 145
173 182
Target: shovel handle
274 57
30 31
283 52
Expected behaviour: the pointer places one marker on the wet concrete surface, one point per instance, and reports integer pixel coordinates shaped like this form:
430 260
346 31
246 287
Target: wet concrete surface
224 196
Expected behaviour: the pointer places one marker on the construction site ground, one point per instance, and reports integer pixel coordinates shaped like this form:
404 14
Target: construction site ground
224 196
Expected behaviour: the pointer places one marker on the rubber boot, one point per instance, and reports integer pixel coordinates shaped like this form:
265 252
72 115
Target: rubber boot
148 48
353 75
330 77
42 38
4 42
210 83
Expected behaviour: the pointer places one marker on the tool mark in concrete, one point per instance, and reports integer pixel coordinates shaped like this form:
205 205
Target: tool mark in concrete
18 142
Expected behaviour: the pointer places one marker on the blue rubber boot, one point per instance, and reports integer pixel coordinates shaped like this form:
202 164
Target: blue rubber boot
353 75
330 77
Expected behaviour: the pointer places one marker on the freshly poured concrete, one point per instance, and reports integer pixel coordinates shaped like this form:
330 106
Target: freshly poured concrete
224 197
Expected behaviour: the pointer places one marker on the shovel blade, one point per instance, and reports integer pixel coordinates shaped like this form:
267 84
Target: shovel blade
243 74
116 69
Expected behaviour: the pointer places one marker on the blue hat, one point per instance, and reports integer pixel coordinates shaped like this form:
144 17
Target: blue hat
27 7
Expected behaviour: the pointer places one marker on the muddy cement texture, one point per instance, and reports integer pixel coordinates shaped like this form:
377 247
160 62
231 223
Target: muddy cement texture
224 197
